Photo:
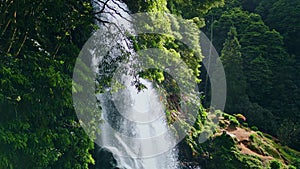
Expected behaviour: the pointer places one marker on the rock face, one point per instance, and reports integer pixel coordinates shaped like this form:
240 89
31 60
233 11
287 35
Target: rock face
105 160
244 143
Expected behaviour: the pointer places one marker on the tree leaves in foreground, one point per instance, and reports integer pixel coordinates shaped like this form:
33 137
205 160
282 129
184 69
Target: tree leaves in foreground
40 41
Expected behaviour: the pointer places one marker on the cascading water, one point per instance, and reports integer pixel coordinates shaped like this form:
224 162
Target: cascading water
132 148
131 116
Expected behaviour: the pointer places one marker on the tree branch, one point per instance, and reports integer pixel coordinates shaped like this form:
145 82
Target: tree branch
103 7
111 8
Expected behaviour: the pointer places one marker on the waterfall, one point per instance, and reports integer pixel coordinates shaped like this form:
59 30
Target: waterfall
134 127
132 152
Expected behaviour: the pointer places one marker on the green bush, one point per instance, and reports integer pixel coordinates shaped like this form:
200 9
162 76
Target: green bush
274 164
251 137
254 128
234 121
260 133
226 116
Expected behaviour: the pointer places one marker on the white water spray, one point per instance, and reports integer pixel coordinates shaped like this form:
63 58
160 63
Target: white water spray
132 117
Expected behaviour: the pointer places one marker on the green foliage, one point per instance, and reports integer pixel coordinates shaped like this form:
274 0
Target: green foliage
274 164
291 155
254 128
251 137
291 167
232 119
40 41
262 83
171 52
289 135
270 73
39 44
233 64
200 7
223 152
147 6
283 16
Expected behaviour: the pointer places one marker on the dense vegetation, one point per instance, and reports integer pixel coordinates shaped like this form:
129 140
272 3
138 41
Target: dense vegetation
40 41
258 44
265 84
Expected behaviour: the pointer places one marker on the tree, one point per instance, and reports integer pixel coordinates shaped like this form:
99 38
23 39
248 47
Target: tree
233 64
270 72
200 7
283 15
39 44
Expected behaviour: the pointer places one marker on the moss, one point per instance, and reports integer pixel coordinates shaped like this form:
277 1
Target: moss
222 151
250 161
